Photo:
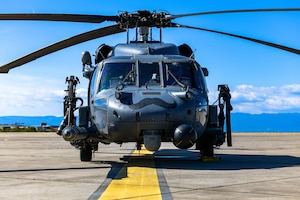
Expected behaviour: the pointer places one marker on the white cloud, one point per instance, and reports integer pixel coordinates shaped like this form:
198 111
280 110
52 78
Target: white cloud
33 102
251 99
33 96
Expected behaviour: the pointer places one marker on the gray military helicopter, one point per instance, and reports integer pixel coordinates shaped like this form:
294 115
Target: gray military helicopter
142 91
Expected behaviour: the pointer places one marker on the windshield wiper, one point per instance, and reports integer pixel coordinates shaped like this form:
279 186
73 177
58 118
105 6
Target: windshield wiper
176 80
121 85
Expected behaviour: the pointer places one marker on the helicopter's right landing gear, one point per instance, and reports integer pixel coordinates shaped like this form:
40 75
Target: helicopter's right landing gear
68 129
86 154
214 135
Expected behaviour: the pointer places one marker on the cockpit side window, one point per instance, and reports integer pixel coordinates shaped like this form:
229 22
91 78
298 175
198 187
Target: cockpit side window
114 74
92 82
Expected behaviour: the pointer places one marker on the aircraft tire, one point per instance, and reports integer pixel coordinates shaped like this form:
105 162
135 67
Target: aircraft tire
86 154
206 145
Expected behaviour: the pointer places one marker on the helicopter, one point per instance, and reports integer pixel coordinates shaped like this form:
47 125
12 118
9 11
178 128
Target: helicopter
143 91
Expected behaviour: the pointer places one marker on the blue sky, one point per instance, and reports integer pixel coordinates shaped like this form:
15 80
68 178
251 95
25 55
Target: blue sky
262 79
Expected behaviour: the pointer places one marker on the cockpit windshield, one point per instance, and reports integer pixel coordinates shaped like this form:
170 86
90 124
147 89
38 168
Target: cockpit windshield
149 74
164 74
183 74
114 74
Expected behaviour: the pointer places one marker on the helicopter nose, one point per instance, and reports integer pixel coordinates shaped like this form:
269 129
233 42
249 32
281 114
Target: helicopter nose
184 136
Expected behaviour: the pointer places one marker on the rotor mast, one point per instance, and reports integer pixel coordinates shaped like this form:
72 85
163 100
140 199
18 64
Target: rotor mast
144 33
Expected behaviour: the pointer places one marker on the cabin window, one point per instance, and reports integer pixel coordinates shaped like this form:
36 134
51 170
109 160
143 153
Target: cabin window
114 74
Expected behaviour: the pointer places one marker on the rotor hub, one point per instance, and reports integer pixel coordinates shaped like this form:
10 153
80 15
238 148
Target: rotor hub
143 18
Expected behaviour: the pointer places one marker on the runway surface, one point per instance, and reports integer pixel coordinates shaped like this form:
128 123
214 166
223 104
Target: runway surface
44 166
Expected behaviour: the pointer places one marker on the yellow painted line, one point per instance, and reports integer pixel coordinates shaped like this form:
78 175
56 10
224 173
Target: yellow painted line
141 181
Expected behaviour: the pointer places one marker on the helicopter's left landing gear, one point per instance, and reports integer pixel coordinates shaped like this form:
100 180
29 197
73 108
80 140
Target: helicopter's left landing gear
206 146
214 135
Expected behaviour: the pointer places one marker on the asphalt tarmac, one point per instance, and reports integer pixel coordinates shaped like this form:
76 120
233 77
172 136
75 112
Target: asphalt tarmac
44 166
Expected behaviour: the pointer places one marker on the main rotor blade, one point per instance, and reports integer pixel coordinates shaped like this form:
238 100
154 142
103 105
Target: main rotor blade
285 48
84 37
60 17
235 11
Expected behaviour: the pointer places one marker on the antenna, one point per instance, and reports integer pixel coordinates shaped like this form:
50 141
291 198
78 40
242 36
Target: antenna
160 34
127 31
136 33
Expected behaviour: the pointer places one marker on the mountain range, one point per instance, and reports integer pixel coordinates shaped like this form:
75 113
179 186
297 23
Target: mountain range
240 122
280 122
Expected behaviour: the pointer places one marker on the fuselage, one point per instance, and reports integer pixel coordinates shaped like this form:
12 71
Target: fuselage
131 96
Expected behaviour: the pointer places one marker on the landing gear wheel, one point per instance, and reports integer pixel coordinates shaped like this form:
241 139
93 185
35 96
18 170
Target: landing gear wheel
86 154
206 147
